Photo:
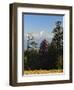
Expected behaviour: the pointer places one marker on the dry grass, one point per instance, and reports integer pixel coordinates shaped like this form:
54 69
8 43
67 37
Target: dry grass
42 71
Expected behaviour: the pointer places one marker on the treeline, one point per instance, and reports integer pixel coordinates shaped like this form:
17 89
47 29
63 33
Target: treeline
49 56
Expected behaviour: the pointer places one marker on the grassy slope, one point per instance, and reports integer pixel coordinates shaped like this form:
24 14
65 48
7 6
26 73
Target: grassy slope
43 71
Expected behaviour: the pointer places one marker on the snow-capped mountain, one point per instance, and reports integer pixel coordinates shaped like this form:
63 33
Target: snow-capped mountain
38 37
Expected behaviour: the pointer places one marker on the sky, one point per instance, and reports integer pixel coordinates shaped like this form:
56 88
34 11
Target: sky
37 23
40 26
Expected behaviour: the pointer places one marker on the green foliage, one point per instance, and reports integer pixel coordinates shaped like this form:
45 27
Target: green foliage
57 44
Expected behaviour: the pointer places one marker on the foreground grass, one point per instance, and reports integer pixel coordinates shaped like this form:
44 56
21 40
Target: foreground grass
43 71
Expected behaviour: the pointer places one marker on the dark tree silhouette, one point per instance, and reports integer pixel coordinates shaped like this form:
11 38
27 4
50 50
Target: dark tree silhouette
57 44
57 41
43 47
43 53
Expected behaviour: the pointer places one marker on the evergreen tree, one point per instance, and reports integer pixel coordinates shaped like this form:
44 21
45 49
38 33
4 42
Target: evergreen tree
43 47
57 41
43 53
57 44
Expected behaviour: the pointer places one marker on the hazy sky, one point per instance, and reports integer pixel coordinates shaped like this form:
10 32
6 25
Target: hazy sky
37 23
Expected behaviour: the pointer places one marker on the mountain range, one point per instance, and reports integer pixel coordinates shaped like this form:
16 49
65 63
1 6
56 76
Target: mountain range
38 37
